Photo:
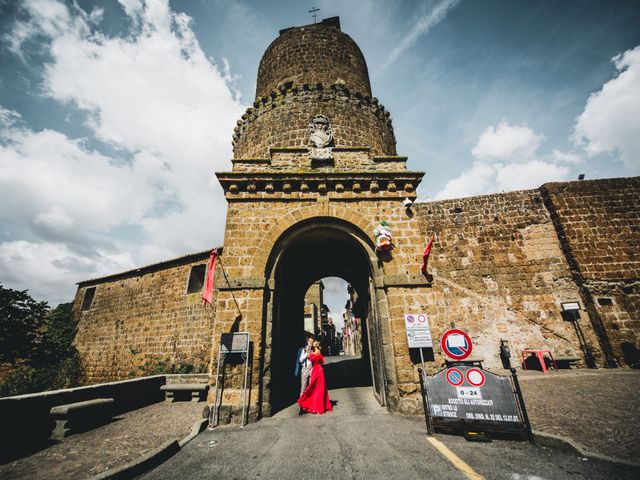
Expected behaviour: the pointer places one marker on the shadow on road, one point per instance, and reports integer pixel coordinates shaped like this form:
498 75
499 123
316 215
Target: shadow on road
345 371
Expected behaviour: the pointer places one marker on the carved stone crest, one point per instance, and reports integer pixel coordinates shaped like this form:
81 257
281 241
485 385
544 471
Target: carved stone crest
320 133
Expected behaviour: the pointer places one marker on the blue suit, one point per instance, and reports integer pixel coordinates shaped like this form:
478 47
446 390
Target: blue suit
298 367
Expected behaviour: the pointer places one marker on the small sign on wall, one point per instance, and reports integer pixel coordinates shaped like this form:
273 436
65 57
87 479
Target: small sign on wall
418 331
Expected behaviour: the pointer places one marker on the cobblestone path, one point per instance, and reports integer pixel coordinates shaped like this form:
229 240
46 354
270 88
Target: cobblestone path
598 408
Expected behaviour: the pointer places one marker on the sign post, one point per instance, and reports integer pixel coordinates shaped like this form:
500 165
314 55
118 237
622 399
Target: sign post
471 398
419 336
237 343
474 400
418 333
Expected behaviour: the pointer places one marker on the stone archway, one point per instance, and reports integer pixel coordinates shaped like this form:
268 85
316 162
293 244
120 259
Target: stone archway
304 253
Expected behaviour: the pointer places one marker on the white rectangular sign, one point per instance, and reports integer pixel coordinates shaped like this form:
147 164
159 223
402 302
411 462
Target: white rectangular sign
418 332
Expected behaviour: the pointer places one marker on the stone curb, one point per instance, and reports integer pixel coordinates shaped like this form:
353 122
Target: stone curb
197 428
153 458
566 444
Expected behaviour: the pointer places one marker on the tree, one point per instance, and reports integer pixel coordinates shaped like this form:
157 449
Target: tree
38 343
21 322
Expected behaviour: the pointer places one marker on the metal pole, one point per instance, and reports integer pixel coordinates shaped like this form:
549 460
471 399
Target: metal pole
523 408
425 402
244 390
215 396
422 360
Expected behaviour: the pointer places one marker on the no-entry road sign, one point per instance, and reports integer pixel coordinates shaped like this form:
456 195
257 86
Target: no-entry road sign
456 344
475 377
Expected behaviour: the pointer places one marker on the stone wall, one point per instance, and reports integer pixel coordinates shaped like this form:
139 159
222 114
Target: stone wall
318 53
282 120
141 318
499 272
598 222
27 423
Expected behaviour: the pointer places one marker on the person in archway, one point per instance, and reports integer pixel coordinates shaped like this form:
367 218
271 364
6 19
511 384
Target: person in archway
315 398
303 364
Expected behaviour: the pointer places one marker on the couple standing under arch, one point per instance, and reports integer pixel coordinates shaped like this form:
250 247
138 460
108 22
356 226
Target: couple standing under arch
314 395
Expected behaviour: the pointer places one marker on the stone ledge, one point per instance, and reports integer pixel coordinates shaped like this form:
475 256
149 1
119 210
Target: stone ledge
275 185
390 158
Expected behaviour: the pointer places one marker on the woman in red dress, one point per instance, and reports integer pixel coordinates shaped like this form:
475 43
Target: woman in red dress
315 398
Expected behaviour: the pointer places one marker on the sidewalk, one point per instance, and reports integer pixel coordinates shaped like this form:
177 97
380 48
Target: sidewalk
599 409
125 439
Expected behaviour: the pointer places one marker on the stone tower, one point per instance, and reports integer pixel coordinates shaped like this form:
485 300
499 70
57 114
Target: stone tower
315 170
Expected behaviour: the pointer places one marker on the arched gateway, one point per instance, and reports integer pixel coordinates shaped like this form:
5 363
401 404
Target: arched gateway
315 170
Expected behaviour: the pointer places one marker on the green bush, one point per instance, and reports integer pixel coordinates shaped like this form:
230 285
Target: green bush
38 343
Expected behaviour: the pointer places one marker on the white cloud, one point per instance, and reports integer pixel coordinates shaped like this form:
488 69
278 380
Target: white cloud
46 265
520 176
159 101
421 27
57 183
610 122
507 142
567 157
507 158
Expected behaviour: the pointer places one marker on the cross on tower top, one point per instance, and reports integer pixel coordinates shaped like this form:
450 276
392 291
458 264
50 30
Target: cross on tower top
313 13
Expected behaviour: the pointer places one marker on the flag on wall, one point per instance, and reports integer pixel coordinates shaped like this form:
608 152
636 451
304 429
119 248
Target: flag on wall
425 257
207 295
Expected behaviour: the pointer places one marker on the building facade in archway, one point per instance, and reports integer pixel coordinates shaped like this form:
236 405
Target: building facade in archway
315 172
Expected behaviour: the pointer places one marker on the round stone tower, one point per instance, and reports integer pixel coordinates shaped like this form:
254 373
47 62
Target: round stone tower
309 71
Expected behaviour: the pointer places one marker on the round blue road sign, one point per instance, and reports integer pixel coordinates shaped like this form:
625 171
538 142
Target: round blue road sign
454 377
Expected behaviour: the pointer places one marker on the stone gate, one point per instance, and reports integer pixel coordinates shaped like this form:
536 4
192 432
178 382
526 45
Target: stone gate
315 171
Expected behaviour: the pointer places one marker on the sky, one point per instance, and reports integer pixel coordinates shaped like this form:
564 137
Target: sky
114 115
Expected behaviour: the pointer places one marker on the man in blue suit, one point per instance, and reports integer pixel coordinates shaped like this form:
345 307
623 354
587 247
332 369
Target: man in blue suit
303 364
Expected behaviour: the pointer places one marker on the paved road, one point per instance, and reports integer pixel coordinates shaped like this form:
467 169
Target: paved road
360 440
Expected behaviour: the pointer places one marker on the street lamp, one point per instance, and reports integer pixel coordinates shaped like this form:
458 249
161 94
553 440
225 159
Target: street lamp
571 313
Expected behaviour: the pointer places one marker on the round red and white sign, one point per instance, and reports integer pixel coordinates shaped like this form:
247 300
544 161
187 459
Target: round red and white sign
454 377
456 344
475 377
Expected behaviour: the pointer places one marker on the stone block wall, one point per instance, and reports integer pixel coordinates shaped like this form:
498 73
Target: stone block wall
299 159
598 222
318 53
140 318
499 272
282 120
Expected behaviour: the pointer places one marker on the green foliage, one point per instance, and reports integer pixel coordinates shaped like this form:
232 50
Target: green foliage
37 342
21 322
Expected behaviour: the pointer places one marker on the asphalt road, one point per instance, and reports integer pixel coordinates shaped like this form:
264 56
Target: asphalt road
360 440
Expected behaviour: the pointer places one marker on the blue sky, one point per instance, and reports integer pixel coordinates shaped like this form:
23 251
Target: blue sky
114 115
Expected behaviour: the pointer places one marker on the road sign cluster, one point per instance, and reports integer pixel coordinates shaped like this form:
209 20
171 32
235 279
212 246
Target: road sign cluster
475 377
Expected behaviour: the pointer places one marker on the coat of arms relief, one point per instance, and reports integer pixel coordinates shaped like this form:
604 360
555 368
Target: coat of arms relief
321 138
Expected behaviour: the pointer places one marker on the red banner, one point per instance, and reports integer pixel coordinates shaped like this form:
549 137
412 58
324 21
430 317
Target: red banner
209 283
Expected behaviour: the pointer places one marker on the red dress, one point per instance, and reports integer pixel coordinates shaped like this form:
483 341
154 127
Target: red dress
315 398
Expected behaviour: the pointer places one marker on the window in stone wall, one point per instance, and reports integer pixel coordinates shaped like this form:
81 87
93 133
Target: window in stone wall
196 278
89 293
605 302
